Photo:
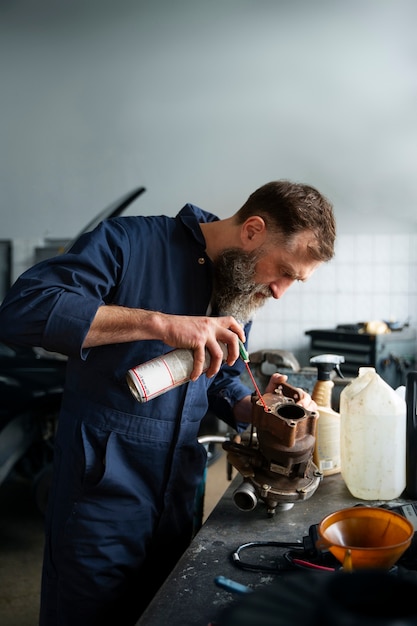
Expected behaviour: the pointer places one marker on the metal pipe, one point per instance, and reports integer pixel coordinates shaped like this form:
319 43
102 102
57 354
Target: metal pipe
245 496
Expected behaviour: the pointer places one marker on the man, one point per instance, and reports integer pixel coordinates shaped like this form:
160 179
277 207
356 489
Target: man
121 506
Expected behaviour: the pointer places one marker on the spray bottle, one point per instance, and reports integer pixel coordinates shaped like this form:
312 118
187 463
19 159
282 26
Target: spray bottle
327 446
163 373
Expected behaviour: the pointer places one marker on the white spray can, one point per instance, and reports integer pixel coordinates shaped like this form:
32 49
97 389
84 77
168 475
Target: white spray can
163 373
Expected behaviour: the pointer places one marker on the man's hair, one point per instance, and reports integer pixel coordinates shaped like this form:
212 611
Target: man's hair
289 208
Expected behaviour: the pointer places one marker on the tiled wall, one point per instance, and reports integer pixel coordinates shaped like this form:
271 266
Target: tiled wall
372 277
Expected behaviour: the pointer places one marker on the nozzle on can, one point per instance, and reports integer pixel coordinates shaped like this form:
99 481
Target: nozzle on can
243 352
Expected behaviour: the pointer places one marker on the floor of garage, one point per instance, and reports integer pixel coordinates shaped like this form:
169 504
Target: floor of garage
21 544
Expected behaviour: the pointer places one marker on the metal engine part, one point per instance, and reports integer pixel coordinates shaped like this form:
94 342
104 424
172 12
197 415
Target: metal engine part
276 457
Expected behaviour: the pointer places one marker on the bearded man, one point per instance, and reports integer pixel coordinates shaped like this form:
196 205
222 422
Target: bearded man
125 473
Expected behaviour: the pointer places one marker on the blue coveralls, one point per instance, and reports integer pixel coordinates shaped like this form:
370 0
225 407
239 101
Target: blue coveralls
121 506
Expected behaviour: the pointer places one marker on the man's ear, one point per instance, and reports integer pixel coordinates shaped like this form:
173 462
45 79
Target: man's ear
253 233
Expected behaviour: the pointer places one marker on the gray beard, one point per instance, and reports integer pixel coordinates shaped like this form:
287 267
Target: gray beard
235 291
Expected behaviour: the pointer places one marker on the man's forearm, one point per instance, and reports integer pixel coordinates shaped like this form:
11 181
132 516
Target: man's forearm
242 410
117 324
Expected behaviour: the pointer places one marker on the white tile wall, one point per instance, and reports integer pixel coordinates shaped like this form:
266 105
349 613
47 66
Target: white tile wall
371 277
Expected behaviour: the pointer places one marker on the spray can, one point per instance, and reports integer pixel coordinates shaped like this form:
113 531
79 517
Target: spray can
163 373
373 437
327 447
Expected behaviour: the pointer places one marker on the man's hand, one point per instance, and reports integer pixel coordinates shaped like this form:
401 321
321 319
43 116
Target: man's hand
305 399
201 334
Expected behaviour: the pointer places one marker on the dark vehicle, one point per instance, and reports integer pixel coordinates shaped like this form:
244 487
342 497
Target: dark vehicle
31 387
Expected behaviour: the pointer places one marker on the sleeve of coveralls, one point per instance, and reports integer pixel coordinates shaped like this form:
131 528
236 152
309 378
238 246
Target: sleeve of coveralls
53 303
227 389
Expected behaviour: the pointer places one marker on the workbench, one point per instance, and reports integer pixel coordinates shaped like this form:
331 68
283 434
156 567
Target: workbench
190 597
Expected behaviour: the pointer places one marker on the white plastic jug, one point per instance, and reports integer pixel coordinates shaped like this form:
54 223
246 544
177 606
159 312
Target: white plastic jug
372 437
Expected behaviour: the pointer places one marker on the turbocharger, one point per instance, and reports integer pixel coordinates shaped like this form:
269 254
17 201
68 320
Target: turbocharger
276 457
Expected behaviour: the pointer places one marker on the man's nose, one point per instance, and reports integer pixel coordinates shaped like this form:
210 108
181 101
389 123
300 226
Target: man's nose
279 287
